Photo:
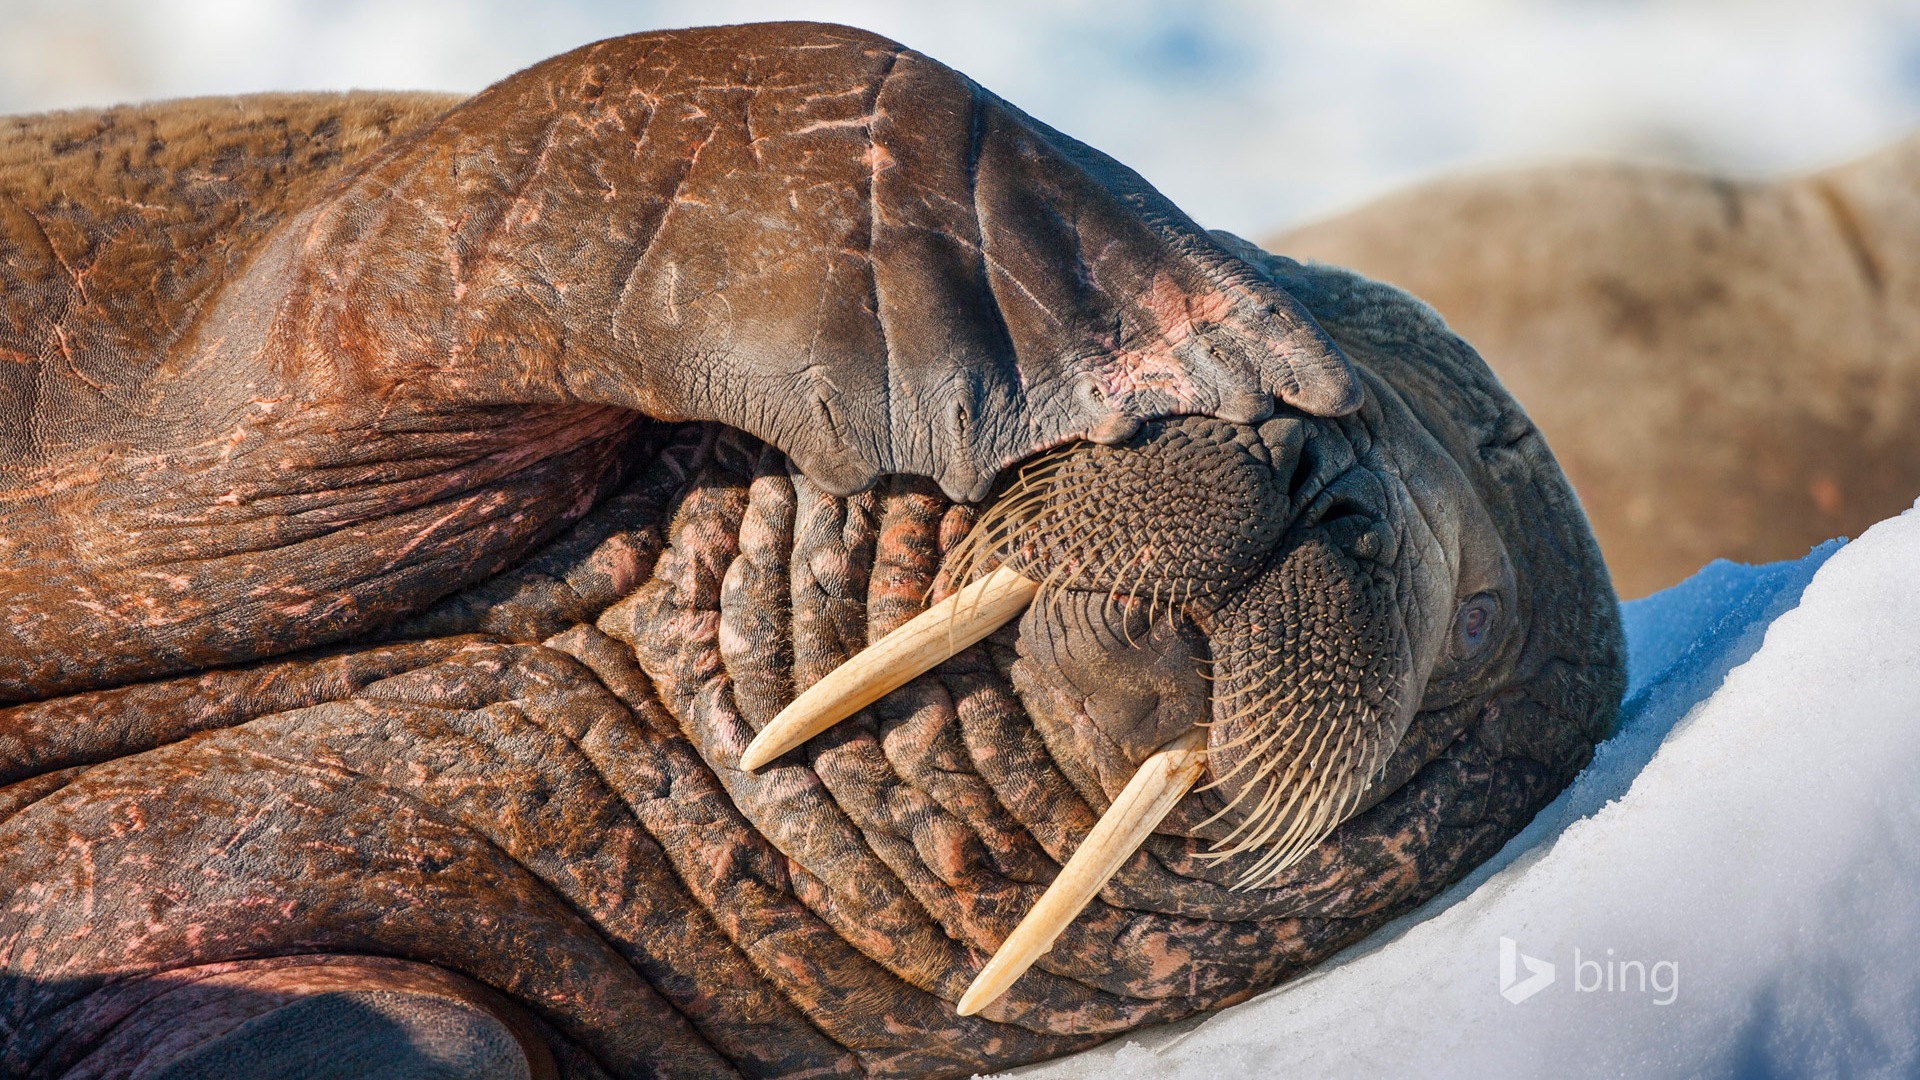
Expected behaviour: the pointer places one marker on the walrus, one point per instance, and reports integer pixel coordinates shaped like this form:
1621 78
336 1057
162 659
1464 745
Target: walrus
1727 368
730 552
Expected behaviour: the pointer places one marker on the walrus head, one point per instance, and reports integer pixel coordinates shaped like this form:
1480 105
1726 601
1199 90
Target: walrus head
1267 610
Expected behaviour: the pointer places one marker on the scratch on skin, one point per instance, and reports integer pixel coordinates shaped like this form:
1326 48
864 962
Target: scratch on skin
66 352
86 876
424 534
232 443
660 226
54 481
862 122
246 826
528 213
180 582
78 277
455 264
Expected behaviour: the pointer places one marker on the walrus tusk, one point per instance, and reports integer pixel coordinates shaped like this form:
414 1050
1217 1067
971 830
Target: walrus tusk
1160 782
893 661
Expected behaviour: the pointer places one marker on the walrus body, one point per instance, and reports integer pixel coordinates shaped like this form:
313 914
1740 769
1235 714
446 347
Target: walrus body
1727 369
409 515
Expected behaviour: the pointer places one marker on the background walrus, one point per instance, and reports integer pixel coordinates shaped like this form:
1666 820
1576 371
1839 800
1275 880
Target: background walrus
1728 369
405 532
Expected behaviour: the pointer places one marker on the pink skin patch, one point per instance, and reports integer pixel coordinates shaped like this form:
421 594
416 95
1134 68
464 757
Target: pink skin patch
1180 316
1180 312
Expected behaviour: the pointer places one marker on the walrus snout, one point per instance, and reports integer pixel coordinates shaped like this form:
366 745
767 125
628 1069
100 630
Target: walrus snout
1249 580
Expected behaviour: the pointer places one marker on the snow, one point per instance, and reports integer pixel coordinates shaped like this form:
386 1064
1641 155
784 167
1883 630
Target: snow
1751 837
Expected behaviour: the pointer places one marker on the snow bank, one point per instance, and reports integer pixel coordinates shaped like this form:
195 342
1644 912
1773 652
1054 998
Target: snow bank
1732 888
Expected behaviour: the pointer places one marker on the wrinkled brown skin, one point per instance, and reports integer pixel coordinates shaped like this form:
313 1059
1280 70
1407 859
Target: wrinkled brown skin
1727 368
381 668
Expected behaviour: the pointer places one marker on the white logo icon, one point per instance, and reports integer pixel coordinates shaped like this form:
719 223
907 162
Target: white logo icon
1539 977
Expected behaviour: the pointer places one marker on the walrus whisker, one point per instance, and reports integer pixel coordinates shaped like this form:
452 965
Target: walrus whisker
1273 698
1276 788
1043 501
923 641
1299 817
1051 588
1159 784
1270 814
1308 828
1118 598
1259 824
1291 830
1266 738
1282 853
1307 792
1143 561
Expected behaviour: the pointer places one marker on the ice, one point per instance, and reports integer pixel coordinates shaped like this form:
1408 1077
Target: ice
1750 836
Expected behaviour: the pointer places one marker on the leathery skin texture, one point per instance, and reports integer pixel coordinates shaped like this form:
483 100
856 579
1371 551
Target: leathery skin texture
379 661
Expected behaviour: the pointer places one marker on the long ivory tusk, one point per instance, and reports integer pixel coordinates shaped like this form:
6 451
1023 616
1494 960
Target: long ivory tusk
1157 785
893 661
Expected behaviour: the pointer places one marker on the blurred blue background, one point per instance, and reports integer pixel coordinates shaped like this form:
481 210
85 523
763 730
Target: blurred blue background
1251 115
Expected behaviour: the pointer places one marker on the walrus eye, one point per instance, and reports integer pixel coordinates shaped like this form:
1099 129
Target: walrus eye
1475 625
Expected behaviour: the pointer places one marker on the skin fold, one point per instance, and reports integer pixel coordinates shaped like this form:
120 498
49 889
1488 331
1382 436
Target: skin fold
410 509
